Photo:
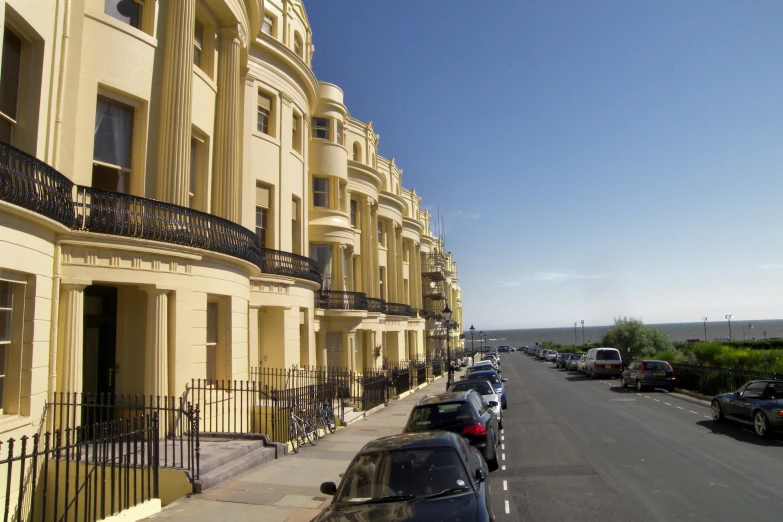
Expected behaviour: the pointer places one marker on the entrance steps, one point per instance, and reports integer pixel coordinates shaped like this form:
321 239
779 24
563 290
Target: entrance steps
225 456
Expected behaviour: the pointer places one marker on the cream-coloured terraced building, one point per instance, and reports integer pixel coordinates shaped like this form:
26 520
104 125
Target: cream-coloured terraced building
181 198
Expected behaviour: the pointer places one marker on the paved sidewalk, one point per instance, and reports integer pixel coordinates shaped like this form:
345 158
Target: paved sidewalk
287 489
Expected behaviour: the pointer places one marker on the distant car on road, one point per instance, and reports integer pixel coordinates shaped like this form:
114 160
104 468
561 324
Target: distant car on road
758 404
647 373
504 348
551 355
603 362
561 359
572 361
427 476
580 364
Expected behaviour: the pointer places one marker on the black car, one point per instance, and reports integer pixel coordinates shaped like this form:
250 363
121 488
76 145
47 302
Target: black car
433 475
758 403
465 413
647 373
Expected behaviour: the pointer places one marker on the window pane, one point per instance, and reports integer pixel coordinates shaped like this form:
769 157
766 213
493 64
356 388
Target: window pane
126 11
5 326
113 132
107 178
6 131
193 149
10 73
6 294
212 316
3 352
321 200
268 25
320 184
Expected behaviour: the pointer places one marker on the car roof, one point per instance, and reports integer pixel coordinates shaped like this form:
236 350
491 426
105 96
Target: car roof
423 439
469 382
475 375
458 396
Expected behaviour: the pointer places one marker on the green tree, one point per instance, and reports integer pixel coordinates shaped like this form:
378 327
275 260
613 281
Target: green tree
634 339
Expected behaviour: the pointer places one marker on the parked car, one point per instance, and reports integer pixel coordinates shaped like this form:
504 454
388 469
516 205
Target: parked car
465 413
504 348
758 403
478 367
572 361
486 390
561 359
551 355
427 476
603 362
542 354
648 373
495 380
580 364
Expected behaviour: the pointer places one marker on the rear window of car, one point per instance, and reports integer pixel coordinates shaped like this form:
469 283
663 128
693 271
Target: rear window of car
491 377
433 416
481 387
656 365
607 355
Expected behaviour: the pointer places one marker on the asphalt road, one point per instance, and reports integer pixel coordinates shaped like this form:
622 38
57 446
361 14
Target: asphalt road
581 449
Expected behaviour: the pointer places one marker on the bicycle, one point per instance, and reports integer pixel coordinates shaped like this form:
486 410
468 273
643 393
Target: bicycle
324 419
300 430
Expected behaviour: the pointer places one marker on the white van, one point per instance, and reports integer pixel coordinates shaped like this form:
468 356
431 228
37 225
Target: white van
602 362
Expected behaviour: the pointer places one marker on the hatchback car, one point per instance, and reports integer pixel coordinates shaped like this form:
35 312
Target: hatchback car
644 373
426 476
486 390
551 355
572 361
494 379
465 413
758 403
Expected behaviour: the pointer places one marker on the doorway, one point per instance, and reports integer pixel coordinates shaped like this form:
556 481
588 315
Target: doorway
100 339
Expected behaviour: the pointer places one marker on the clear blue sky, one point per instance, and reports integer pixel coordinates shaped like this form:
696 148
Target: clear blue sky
591 159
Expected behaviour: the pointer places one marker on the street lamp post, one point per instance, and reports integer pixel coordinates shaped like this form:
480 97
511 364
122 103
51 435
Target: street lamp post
575 341
705 329
583 332
447 319
472 349
729 317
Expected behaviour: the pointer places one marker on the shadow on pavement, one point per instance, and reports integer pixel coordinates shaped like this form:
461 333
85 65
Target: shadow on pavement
740 433
578 377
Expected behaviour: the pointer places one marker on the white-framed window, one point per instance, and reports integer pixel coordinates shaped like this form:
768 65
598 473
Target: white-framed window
198 172
212 340
262 214
198 44
357 151
6 322
354 213
128 11
338 133
321 128
298 47
268 25
296 133
12 299
380 233
264 113
113 146
321 192
296 227
10 80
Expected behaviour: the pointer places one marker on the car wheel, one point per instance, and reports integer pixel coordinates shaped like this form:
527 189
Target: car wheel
500 422
760 424
717 412
493 464
639 386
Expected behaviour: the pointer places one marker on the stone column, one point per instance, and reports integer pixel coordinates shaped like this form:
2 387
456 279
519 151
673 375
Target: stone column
226 179
156 352
173 176
253 347
391 262
367 246
71 340
375 274
398 264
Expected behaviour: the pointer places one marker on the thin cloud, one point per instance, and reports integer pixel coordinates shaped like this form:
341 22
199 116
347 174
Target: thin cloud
549 277
772 267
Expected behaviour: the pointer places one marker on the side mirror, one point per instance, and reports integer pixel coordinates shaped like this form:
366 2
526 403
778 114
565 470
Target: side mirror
493 404
736 394
328 488
503 380
481 476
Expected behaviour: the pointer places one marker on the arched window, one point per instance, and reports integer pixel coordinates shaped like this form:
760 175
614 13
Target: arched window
357 151
298 47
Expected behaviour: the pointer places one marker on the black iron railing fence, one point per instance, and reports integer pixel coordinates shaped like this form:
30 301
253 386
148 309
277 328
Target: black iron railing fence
83 473
225 406
437 368
30 183
178 421
340 300
286 264
710 380
376 305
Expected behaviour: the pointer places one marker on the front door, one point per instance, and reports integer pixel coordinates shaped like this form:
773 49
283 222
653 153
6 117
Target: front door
100 339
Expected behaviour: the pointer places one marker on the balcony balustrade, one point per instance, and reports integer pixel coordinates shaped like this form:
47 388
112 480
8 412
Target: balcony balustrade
340 300
376 305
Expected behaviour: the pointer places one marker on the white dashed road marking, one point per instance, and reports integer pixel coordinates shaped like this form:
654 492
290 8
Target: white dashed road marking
505 486
695 413
667 404
508 509
504 456
707 417
504 468
646 397
680 408
502 446
656 400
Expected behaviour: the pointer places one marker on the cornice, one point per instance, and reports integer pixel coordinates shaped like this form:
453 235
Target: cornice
413 223
366 171
393 200
266 43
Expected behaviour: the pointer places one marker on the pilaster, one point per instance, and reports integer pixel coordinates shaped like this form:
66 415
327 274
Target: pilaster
173 168
156 352
71 340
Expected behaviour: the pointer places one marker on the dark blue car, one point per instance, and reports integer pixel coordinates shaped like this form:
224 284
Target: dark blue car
758 404
496 382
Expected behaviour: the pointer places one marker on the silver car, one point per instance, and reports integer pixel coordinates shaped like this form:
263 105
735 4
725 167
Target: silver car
551 355
580 365
486 390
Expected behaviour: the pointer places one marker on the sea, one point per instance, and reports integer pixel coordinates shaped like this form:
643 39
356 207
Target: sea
716 330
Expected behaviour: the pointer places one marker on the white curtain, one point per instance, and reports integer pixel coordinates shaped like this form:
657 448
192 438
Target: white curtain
113 127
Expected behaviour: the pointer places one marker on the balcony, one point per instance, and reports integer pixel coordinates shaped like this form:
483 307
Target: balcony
434 290
433 266
400 309
30 183
433 309
376 305
339 300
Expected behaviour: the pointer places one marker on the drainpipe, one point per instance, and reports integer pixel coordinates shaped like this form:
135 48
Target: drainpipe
58 119
53 332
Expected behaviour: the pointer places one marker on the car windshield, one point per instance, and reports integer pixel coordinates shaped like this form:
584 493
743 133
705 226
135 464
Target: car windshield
481 387
403 474
607 355
433 416
491 377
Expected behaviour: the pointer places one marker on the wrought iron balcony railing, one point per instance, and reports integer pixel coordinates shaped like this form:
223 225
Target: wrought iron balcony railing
376 305
30 183
399 309
433 265
338 300
433 309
